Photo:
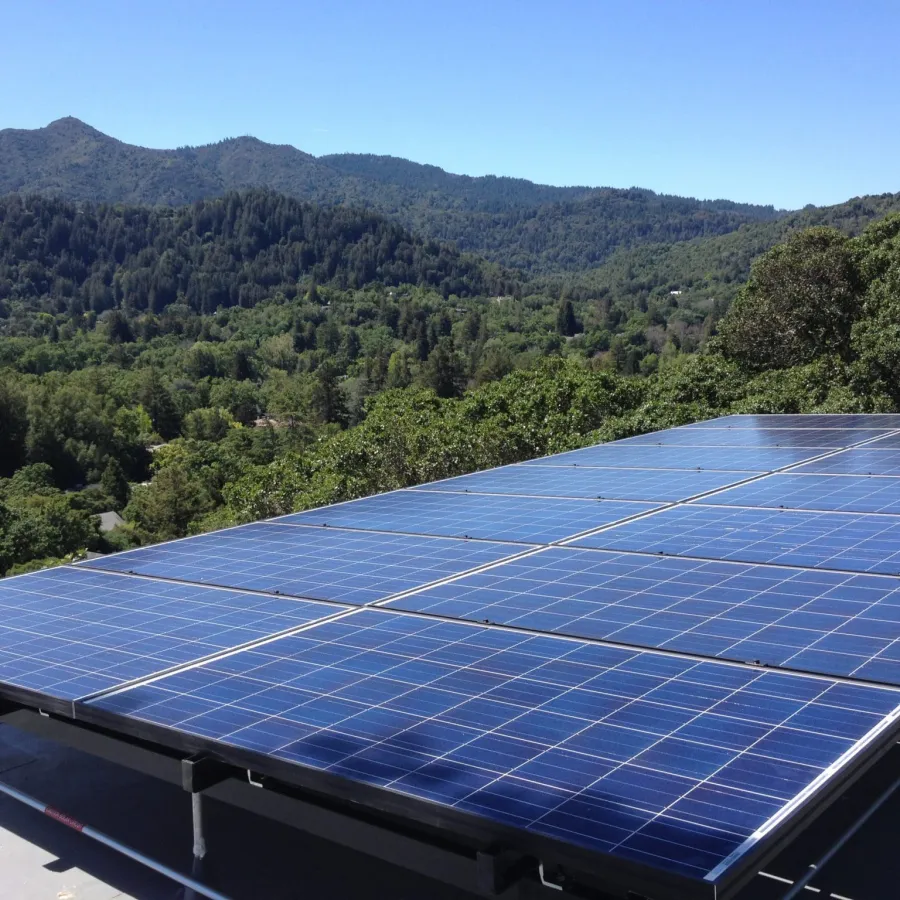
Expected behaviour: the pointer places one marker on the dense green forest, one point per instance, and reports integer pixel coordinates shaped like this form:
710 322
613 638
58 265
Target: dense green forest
639 244
536 228
706 271
252 355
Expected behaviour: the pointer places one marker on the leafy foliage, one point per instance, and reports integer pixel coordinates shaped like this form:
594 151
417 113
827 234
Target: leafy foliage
800 302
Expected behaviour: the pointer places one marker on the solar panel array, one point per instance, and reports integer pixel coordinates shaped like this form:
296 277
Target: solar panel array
576 646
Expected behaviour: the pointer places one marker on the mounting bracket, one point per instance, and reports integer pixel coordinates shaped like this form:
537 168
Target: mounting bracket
199 773
498 869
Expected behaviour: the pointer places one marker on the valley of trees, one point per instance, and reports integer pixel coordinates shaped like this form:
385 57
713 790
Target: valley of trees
252 355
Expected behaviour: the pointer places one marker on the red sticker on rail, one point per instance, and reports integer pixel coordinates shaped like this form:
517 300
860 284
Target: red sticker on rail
62 817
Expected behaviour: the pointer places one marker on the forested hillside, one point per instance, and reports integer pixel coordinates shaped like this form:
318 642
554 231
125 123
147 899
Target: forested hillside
513 222
226 252
711 270
185 422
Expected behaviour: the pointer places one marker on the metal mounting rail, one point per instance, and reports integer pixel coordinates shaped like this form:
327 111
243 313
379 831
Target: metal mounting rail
184 880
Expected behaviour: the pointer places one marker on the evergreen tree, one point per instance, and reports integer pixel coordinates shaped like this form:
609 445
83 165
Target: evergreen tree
157 400
328 401
566 324
352 344
444 371
118 331
114 482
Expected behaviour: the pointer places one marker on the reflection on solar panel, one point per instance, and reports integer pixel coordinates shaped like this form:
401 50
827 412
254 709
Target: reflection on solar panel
71 632
348 566
681 764
863 493
827 622
857 542
828 420
610 484
529 519
862 461
606 691
736 459
823 438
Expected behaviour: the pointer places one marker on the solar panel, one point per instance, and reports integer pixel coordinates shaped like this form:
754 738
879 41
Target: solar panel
891 442
70 632
861 461
858 542
609 484
805 420
321 564
853 493
681 764
817 621
528 519
612 693
629 456
823 438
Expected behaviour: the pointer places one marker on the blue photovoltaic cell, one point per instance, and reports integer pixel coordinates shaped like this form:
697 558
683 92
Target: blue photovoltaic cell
817 621
71 632
820 540
629 456
891 442
664 760
529 519
816 438
661 486
811 420
851 493
348 566
862 461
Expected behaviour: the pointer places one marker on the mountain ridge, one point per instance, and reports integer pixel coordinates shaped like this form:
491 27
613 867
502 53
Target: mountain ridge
511 221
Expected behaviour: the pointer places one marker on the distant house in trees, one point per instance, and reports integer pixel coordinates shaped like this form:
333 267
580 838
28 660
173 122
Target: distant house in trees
264 421
110 520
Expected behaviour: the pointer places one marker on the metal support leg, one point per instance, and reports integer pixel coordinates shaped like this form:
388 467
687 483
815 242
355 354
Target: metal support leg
194 887
199 837
197 774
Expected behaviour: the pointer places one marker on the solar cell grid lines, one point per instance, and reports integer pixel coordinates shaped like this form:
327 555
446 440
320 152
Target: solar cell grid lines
523 519
856 542
861 461
661 486
629 456
680 764
347 566
824 540
835 493
71 632
890 442
817 621
814 438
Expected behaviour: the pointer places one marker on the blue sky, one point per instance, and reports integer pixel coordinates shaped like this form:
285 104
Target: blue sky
789 102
